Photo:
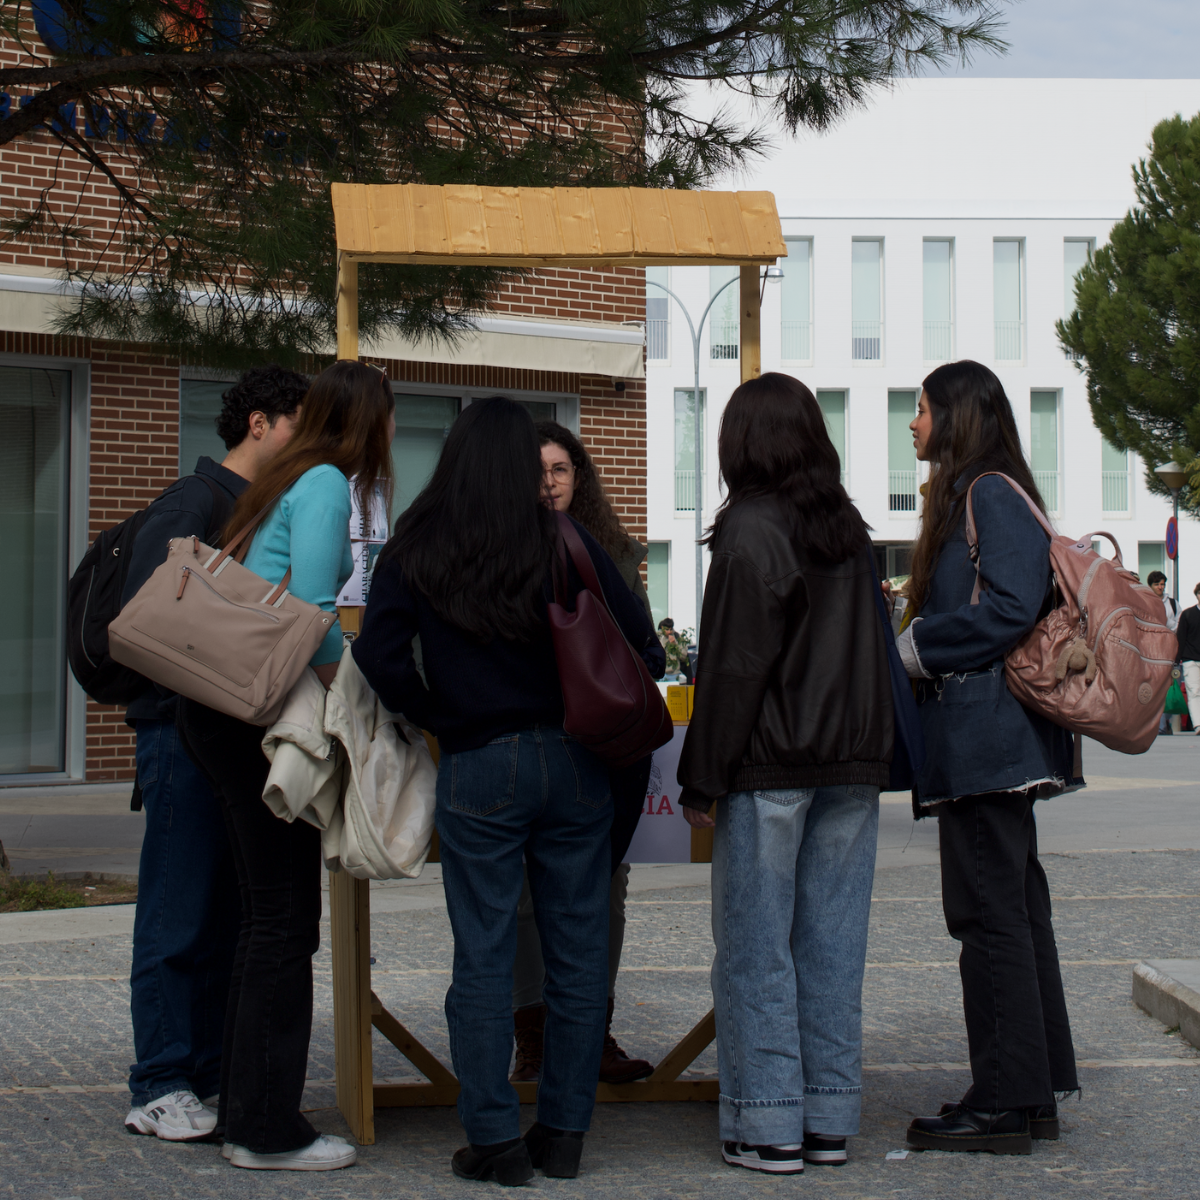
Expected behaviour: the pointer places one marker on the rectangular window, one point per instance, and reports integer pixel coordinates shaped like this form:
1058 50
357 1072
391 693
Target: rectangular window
1152 556
796 302
658 580
199 407
723 325
866 300
833 409
1077 252
685 447
902 458
938 256
35 407
1114 478
1043 445
1008 309
422 424
658 314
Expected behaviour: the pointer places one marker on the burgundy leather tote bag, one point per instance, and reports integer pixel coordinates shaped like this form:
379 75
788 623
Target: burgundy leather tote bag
612 705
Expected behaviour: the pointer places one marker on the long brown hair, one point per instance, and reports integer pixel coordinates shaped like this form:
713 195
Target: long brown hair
973 432
590 506
773 442
343 422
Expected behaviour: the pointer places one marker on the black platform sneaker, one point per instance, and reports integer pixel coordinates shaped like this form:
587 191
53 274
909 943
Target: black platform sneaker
777 1160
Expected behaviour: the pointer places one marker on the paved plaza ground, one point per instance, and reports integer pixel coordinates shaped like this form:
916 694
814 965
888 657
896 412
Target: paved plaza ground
1124 865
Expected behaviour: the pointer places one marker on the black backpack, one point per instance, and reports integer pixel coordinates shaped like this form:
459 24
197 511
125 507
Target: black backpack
94 599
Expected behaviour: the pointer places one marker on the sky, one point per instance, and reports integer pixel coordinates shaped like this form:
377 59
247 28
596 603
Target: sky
1100 39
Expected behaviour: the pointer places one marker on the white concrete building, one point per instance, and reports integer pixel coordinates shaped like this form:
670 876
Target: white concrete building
945 221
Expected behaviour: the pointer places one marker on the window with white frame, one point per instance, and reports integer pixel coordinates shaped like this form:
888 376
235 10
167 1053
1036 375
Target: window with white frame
1114 478
795 326
723 325
902 458
1008 301
1043 445
686 421
833 408
938 303
866 299
658 314
658 580
1152 556
1077 253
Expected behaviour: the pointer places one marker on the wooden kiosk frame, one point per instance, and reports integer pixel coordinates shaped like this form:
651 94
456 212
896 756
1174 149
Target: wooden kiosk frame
519 228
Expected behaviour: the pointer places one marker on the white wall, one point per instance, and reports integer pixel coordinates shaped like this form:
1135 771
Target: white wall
969 159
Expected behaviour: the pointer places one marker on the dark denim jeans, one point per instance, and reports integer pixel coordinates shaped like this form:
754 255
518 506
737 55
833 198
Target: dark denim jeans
540 795
997 904
269 1020
185 927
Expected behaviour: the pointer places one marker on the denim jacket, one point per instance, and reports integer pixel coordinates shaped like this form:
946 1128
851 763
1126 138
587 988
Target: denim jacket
978 736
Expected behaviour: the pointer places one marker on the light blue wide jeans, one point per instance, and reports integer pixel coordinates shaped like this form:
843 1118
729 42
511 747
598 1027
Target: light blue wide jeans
791 881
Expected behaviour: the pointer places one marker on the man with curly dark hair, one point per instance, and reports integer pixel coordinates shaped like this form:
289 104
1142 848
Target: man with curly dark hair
188 916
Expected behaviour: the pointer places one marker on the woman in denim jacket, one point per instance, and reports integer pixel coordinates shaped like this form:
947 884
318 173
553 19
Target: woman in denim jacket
988 758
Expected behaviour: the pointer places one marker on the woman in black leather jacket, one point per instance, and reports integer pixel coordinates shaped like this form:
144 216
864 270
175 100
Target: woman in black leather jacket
790 738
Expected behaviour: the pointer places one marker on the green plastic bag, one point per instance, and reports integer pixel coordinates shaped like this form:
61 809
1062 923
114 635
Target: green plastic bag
1175 701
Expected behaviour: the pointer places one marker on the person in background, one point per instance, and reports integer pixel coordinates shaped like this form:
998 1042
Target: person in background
185 926
678 660
301 500
573 486
469 570
790 739
988 758
1157 582
1188 634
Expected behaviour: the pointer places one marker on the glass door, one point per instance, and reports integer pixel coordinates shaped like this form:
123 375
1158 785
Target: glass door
34 457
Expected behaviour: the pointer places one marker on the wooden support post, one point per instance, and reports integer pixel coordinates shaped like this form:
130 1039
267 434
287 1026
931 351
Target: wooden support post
347 306
751 350
350 942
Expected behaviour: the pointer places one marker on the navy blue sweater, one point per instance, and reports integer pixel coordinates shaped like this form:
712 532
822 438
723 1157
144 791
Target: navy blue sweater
478 691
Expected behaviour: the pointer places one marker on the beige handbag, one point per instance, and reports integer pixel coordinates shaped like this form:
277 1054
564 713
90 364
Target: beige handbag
210 629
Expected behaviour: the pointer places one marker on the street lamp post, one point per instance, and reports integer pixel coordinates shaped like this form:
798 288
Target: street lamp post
775 275
1174 476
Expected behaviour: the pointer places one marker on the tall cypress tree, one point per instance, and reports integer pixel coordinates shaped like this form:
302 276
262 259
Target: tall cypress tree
1136 326
219 125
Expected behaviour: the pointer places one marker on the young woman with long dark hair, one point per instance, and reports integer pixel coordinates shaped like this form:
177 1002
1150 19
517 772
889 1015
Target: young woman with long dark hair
573 486
988 759
790 739
345 430
469 570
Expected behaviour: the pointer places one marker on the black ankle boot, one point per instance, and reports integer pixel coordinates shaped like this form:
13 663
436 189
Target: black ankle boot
1043 1121
505 1162
973 1129
556 1151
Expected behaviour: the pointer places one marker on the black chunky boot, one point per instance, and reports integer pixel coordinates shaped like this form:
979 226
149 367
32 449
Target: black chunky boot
556 1151
505 1162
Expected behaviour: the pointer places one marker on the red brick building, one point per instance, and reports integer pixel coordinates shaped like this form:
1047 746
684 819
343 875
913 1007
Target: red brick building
92 430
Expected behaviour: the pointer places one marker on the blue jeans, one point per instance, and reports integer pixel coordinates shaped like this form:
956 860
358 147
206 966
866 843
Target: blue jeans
791 877
185 927
538 795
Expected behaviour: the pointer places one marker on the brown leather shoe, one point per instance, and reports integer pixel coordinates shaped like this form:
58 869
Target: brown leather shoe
615 1065
528 1024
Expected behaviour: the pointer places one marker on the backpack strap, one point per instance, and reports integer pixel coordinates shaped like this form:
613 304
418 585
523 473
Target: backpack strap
222 509
973 533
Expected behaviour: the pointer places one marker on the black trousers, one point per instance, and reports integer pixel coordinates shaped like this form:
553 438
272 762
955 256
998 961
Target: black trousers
268 1020
628 786
997 904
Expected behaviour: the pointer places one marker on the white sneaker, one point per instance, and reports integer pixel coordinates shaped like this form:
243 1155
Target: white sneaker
325 1154
777 1160
228 1148
178 1117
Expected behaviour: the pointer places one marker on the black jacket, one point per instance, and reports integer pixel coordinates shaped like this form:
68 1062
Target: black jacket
185 509
478 691
1188 633
792 684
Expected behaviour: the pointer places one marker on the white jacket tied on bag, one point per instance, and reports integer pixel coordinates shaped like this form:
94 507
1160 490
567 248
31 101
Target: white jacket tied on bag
362 775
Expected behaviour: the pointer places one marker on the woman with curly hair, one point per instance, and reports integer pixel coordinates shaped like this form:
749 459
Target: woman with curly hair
573 486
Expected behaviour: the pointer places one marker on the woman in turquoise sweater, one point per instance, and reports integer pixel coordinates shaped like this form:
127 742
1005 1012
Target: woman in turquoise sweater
301 504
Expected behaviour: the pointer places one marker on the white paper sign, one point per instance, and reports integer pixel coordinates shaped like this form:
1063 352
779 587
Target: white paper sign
366 539
663 834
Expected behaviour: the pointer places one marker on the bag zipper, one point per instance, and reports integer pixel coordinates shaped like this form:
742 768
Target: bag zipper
188 571
1155 661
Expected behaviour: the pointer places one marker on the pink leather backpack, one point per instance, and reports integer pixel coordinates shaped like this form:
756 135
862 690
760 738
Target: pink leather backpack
1100 663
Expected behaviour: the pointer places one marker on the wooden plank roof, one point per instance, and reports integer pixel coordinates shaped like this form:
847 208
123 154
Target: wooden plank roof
466 225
